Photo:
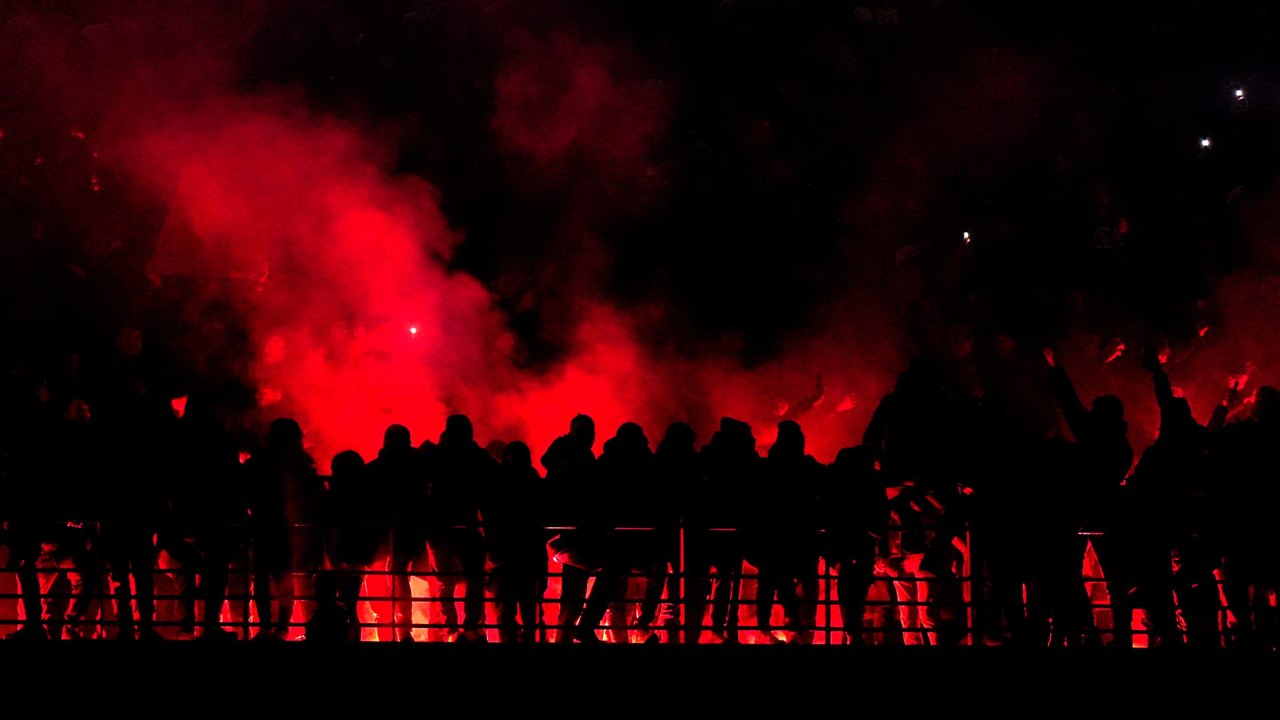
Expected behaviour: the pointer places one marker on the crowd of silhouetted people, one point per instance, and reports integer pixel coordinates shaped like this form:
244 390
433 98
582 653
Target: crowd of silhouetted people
949 522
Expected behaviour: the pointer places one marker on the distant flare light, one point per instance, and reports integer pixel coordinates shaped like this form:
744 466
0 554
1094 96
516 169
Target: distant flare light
1239 93
1205 142
413 329
967 237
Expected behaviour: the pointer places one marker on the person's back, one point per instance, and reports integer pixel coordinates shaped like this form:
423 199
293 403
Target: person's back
1246 458
460 470
629 514
286 495
400 476
461 473
854 512
570 462
516 542
784 535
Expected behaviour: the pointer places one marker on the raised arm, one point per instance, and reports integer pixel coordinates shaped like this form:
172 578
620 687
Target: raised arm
1164 390
1065 393
1220 413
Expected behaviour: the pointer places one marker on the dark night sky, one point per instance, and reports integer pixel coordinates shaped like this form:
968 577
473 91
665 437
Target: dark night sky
795 150
731 176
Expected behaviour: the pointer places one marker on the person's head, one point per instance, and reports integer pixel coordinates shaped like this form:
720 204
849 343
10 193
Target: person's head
457 431
516 455
1266 405
679 435
1107 411
790 441
583 429
396 437
346 464
496 447
632 435
284 433
859 460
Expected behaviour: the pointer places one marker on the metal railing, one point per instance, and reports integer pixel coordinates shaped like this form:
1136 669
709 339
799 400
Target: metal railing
902 605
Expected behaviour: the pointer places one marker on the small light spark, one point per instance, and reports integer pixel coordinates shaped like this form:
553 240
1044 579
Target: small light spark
967 237
1205 142
413 330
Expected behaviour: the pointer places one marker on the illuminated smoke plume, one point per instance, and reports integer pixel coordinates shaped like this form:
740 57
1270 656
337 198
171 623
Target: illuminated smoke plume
728 223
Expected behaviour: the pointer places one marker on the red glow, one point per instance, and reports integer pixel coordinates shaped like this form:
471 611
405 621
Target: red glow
78 134
847 403
1116 352
1204 330
179 405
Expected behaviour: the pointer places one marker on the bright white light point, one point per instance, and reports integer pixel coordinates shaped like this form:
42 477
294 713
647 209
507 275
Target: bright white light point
966 236
1205 142
1240 93
413 330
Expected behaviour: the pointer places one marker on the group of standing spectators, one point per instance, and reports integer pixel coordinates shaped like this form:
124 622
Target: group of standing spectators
972 526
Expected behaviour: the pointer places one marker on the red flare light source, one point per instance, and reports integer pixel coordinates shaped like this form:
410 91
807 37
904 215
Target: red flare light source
77 134
179 405
847 403
413 330
1204 331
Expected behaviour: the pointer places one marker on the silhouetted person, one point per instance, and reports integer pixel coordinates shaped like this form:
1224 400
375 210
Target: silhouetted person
357 513
25 419
1247 459
1014 532
625 468
461 472
716 530
1105 457
571 481
855 513
400 474
677 470
921 435
69 564
517 544
784 536
208 511
1154 519
285 495
139 428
